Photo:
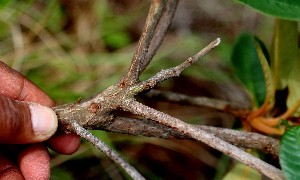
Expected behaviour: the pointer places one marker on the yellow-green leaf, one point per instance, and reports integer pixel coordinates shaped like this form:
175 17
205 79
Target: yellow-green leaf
284 51
270 89
294 88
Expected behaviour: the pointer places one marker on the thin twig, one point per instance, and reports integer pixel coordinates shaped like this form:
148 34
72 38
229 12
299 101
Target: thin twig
177 70
160 31
217 104
108 151
203 136
153 17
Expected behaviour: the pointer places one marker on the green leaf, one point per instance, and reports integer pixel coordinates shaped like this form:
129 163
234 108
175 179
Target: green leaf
284 51
286 9
289 155
248 68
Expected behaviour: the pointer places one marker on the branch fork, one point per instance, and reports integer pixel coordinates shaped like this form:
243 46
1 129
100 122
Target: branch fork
99 112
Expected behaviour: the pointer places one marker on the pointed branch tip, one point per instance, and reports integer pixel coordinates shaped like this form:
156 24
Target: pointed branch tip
217 41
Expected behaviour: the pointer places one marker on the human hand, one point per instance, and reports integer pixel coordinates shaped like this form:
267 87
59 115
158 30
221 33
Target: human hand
25 122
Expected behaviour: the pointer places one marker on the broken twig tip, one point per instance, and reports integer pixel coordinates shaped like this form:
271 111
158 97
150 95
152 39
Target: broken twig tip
217 41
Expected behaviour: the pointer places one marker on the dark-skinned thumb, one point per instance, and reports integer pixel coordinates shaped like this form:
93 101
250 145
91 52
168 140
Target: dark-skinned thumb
25 122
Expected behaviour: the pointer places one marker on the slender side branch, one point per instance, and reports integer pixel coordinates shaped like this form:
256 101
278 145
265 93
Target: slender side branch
202 136
104 148
217 104
153 17
177 70
160 31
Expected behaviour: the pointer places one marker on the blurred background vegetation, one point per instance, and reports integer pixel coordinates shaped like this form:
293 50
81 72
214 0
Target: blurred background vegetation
74 49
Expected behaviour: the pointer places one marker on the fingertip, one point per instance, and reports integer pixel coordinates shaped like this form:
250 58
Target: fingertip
64 143
44 121
34 162
25 122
